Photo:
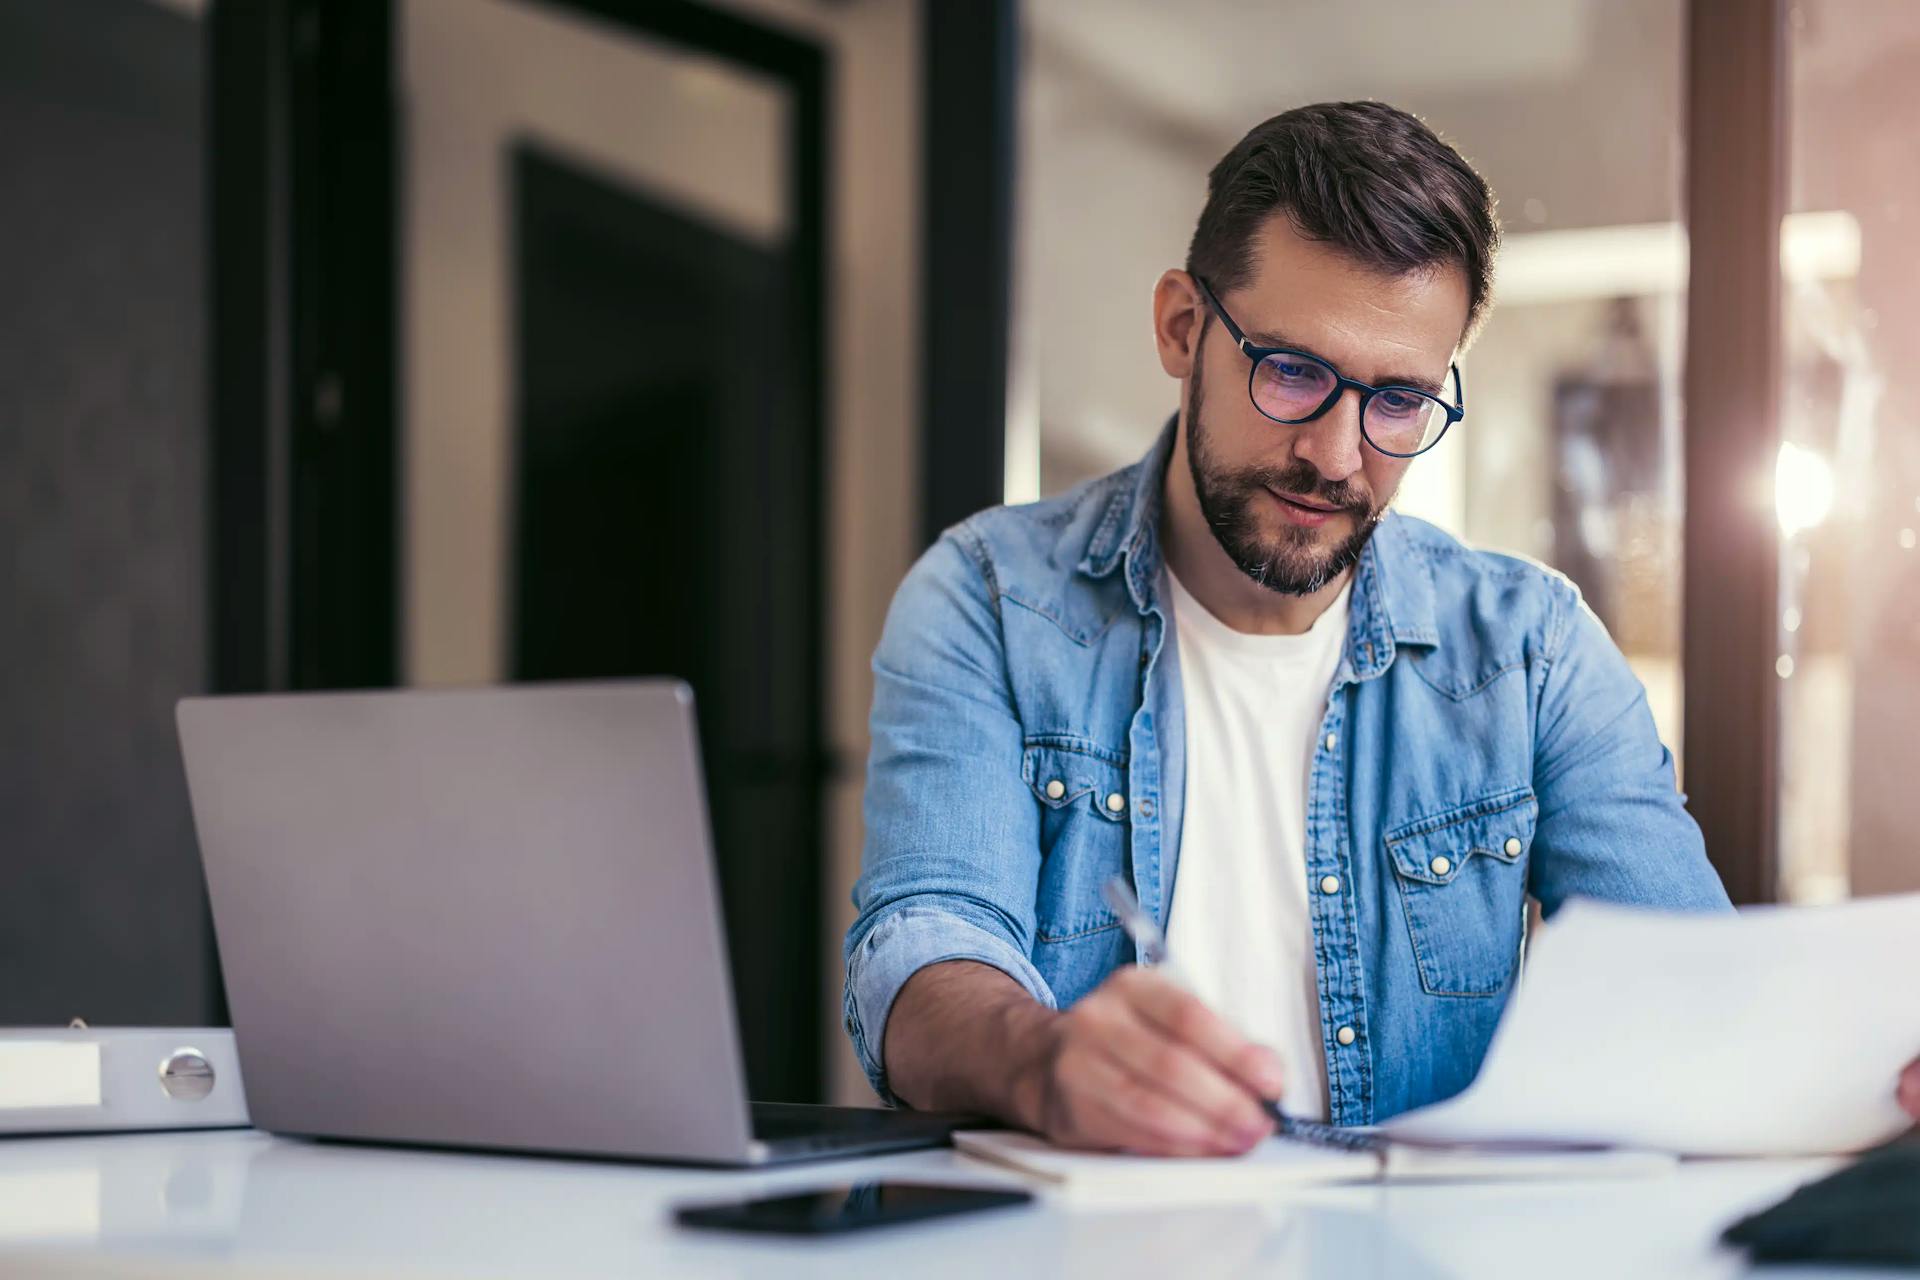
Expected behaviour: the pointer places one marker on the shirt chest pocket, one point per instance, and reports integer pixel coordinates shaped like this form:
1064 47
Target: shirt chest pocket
1081 791
1462 877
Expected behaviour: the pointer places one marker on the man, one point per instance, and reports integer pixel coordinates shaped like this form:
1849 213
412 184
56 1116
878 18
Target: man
1334 750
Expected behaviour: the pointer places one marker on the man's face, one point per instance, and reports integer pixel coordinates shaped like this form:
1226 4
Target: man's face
1294 505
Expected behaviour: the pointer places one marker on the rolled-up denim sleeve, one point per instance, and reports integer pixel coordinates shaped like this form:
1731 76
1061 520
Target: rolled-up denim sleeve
1613 824
952 859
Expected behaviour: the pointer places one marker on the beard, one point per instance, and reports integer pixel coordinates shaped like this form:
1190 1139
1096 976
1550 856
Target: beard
1288 559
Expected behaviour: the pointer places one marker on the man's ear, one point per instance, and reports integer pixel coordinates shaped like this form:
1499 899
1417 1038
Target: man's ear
1179 313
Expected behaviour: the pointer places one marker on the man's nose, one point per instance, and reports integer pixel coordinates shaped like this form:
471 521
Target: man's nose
1332 442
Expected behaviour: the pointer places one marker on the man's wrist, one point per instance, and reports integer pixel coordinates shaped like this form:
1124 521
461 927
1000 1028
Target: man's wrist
963 1036
1029 1034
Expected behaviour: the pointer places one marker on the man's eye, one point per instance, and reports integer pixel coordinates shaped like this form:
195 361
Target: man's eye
1400 404
1295 370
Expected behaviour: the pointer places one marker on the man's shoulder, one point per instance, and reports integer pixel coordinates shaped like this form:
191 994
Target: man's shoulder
1056 531
1494 598
1034 550
1449 557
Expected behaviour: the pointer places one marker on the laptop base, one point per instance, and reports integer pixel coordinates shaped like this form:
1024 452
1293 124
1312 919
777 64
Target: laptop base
784 1132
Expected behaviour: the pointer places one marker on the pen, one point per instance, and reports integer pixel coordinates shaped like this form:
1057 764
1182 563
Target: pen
1152 944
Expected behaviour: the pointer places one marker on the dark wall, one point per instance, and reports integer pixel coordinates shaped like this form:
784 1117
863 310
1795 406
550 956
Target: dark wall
102 531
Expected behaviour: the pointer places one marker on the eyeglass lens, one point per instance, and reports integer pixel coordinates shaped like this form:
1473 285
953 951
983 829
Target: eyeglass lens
1291 388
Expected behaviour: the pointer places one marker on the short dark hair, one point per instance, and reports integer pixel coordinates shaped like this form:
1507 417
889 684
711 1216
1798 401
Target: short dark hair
1367 178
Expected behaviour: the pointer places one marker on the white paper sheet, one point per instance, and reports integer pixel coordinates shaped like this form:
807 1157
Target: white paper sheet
1778 1031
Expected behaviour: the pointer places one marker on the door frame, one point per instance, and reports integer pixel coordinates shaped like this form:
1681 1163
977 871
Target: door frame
1736 95
305 469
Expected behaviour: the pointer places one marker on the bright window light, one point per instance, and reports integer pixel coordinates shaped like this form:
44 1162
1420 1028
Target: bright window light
1651 258
1802 489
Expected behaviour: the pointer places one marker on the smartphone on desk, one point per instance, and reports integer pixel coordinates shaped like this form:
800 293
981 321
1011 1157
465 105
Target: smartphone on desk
853 1207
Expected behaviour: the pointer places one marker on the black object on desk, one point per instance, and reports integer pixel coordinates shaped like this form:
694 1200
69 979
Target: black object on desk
830 1210
1868 1212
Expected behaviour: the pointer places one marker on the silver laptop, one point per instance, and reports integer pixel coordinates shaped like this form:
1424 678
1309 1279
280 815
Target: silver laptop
486 918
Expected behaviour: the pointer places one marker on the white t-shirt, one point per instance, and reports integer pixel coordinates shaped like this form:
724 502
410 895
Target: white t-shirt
1238 926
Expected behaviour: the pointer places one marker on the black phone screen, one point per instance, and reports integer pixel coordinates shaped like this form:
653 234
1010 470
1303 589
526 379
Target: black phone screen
848 1208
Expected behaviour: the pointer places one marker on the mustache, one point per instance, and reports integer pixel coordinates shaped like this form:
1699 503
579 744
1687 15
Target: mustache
1301 480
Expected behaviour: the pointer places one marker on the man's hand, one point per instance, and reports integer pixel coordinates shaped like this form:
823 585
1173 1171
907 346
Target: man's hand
1909 1092
1142 1065
1137 1065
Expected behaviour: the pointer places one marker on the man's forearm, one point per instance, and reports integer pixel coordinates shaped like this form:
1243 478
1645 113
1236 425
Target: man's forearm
963 1036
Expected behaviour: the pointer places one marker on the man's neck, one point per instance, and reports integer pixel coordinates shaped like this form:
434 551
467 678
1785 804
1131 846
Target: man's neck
1209 574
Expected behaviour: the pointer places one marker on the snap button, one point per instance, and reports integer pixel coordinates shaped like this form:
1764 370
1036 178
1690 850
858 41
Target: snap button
1146 808
1330 884
1441 865
1116 803
1056 789
1333 740
1513 845
1344 1035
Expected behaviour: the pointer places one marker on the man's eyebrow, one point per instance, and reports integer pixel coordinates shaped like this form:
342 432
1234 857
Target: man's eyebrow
1274 338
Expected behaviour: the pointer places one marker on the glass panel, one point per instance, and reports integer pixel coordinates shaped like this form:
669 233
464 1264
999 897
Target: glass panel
1569 452
506 102
608 406
1848 497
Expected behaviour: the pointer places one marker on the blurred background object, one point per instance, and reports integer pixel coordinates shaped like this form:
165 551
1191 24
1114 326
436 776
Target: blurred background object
427 342
104 544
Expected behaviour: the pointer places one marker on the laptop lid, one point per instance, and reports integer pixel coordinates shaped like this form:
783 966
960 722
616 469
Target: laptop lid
476 917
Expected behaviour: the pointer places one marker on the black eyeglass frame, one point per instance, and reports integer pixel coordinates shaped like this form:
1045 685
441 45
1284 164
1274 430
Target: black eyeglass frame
1341 383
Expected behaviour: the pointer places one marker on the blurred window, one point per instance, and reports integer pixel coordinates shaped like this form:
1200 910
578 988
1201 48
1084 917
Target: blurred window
1848 495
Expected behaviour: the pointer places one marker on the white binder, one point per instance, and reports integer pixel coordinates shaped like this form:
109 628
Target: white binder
112 1079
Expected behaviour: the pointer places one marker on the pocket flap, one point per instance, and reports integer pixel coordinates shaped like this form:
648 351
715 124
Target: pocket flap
1068 771
1432 850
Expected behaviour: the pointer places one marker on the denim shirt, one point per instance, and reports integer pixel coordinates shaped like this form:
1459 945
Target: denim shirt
1483 741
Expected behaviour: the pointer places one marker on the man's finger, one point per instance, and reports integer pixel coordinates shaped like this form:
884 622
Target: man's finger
1179 1070
1909 1092
1154 1124
1113 1109
1182 1015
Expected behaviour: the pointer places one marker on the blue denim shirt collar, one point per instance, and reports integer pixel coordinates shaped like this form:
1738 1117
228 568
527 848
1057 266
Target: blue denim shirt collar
1392 601
1129 529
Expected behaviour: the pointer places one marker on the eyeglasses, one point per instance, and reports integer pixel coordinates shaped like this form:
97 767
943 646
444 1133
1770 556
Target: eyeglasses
1292 387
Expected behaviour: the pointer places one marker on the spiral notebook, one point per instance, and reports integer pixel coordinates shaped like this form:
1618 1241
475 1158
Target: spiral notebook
1283 1163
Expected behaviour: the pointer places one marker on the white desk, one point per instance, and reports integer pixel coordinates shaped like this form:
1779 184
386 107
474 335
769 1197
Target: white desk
243 1203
